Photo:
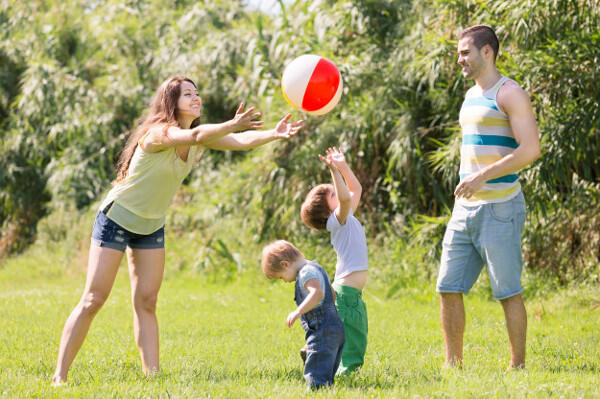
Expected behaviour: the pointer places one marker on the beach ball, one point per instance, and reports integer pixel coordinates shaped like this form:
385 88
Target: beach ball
312 83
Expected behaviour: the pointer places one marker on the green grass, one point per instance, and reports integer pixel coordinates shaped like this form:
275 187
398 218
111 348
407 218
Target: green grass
228 340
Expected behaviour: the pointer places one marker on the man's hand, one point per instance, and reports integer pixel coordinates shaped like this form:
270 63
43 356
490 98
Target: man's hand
469 186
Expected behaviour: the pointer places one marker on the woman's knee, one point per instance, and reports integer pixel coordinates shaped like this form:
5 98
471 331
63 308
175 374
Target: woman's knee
92 302
145 302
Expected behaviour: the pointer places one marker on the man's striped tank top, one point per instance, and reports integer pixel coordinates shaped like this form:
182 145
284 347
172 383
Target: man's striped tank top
486 138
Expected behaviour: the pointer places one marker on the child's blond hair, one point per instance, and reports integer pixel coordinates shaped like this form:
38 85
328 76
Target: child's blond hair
315 208
275 253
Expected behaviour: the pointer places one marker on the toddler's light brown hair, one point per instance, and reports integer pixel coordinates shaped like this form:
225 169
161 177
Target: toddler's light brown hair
275 253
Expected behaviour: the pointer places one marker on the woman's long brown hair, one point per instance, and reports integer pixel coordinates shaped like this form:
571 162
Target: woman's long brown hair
163 111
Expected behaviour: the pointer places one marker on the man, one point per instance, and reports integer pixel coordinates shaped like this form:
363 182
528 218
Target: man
499 137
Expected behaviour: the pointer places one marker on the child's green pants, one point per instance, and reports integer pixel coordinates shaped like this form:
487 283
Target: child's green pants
353 312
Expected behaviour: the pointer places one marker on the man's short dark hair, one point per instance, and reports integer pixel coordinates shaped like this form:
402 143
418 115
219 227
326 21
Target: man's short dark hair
482 35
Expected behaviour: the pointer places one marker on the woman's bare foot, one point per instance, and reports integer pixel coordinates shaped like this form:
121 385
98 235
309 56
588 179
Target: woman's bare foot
150 374
57 382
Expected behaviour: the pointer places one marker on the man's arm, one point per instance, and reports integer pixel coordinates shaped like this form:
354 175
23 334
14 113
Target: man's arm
514 101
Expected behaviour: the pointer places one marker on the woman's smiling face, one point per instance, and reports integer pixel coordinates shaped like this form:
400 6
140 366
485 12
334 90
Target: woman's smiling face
189 103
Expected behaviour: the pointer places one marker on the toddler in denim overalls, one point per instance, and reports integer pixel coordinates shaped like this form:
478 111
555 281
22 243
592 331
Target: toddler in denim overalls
316 309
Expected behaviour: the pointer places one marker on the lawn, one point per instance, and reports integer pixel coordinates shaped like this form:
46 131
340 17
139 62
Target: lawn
228 340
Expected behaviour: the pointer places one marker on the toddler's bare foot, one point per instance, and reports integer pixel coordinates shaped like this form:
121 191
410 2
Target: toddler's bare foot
303 354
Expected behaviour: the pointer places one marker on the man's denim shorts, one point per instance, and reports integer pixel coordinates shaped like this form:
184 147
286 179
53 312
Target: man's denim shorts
484 234
108 234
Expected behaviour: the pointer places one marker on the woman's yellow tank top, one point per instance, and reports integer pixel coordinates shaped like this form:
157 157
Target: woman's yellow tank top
140 201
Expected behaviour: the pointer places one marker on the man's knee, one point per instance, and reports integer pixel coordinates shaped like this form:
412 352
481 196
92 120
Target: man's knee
451 297
512 300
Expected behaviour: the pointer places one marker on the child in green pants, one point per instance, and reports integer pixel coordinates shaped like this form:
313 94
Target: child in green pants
331 208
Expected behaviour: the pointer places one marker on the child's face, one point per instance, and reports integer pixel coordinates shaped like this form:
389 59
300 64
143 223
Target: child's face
332 200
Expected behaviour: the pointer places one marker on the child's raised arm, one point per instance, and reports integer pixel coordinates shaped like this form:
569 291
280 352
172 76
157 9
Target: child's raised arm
354 186
315 293
341 190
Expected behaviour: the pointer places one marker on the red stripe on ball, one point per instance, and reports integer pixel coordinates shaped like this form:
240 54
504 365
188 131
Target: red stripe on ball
322 86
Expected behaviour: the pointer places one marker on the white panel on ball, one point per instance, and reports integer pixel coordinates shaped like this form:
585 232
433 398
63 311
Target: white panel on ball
296 77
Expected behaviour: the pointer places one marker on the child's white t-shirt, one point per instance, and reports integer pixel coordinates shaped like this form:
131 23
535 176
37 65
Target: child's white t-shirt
350 244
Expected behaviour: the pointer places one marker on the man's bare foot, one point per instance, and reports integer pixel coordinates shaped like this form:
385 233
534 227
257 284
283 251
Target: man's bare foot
453 365
516 368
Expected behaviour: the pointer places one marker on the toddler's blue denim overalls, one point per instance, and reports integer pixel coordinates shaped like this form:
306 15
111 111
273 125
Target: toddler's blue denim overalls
324 337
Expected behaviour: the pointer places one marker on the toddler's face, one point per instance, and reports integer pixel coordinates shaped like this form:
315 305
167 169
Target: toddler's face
288 274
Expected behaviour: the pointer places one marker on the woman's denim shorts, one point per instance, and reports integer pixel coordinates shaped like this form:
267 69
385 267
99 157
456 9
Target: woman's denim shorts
108 234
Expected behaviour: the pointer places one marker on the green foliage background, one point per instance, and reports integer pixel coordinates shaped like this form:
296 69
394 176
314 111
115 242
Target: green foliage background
76 75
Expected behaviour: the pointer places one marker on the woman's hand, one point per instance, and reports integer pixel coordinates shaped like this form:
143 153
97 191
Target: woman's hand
245 120
285 130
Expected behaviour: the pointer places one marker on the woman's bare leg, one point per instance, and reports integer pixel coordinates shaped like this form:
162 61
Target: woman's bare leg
103 264
146 267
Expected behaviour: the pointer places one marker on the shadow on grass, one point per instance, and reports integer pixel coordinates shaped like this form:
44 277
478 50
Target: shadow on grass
386 380
579 368
215 374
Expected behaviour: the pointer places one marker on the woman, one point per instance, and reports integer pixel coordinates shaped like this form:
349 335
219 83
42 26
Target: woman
153 164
